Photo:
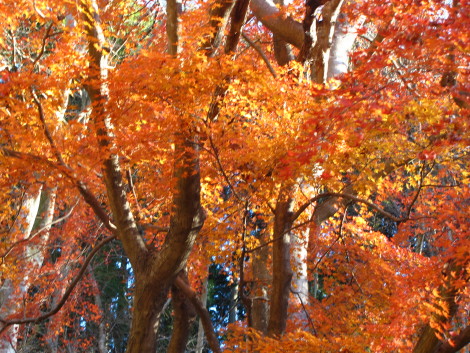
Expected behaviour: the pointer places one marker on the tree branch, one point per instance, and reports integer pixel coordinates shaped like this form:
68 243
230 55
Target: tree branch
349 197
261 53
44 39
202 313
89 198
456 343
48 134
33 235
96 85
68 292
284 27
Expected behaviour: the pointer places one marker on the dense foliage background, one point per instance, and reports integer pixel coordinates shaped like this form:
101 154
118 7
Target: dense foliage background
234 176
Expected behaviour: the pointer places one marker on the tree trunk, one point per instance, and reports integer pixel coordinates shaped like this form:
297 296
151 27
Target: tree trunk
260 289
300 275
154 271
319 54
43 222
149 299
282 49
344 37
446 308
282 272
183 313
200 329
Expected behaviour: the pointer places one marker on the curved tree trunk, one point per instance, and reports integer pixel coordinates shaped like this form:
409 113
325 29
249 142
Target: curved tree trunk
154 271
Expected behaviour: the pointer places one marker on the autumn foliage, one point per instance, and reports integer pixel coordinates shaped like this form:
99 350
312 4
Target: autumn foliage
317 153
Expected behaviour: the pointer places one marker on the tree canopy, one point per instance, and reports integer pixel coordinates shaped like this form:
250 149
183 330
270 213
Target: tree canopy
234 175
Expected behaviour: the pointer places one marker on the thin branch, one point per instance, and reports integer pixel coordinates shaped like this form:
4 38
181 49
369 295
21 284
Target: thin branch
131 185
67 170
202 313
261 53
352 198
263 245
33 235
241 287
44 39
310 321
48 134
340 236
215 153
68 292
439 186
89 198
423 175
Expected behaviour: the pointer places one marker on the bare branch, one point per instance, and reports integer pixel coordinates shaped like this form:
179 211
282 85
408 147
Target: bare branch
340 235
422 176
44 39
48 134
310 321
215 153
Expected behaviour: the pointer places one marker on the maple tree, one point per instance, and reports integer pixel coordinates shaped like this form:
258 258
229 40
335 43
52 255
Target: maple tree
318 152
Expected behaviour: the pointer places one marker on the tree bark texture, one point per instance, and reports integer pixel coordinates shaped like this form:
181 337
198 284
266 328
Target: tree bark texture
282 271
316 50
259 295
154 271
447 307
149 299
200 330
183 314
282 49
